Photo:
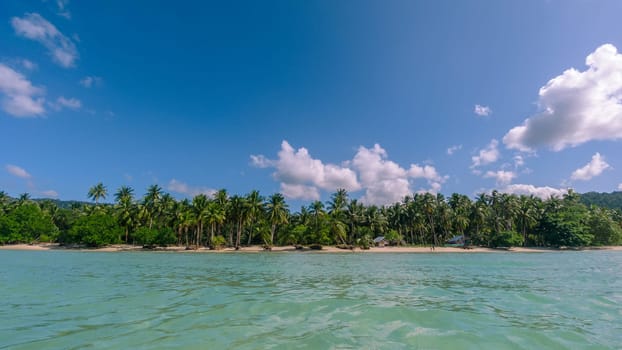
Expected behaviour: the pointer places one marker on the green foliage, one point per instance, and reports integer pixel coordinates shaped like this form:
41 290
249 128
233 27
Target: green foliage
565 224
26 223
218 242
604 228
365 242
491 219
393 237
611 200
505 239
95 230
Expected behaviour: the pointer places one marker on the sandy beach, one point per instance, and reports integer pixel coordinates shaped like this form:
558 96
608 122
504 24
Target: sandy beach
325 249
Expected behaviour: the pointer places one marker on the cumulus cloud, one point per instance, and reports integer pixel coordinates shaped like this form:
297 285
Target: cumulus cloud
183 188
19 97
300 191
261 161
482 111
70 103
383 180
386 182
487 155
594 168
453 149
544 192
620 187
17 171
576 106
299 171
90 81
502 177
34 27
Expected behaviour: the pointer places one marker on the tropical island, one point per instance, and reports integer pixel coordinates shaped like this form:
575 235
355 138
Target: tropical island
221 221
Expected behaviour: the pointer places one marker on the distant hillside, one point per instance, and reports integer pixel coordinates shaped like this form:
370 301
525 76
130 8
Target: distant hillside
60 203
611 200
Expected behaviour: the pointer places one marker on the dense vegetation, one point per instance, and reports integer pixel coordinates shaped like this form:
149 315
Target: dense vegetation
493 220
611 200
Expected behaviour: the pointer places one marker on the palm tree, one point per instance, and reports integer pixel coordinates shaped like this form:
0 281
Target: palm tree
461 208
215 217
354 213
199 206
316 209
277 213
151 202
125 208
23 198
97 192
527 215
221 198
239 215
255 207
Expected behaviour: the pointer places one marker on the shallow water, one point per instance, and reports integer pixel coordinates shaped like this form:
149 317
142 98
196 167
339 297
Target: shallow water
73 300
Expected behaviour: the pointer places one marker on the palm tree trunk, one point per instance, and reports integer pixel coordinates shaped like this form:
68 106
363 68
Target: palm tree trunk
272 230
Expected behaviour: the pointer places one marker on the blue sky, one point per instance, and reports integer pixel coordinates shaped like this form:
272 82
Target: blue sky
383 98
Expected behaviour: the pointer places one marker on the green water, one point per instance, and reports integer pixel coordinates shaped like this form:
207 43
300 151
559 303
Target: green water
72 300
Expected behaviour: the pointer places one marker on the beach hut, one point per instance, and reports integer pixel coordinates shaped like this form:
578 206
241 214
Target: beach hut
380 241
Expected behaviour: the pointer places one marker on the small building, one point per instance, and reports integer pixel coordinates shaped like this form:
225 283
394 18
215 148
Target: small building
380 241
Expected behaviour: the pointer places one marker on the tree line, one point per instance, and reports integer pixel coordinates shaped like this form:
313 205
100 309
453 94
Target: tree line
157 219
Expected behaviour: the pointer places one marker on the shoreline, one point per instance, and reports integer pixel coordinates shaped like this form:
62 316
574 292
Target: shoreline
281 249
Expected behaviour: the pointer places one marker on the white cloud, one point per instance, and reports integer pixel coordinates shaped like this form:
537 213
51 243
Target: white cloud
300 191
33 26
386 182
594 168
453 149
49 193
20 97
28 64
502 177
488 155
183 188
261 162
62 8
17 171
620 187
383 180
90 81
298 170
576 107
541 192
482 111
519 161
71 103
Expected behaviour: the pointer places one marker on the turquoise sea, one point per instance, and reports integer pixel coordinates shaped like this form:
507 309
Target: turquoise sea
75 300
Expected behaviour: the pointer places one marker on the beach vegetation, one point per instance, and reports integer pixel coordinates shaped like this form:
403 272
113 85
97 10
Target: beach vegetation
219 220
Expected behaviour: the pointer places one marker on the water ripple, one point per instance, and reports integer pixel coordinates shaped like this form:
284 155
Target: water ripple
74 300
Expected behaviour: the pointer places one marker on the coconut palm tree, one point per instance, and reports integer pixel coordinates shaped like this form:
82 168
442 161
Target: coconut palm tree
151 203
199 207
277 213
97 192
239 215
255 208
125 208
221 198
215 216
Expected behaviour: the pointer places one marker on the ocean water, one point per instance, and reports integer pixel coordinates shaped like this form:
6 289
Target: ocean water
136 300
